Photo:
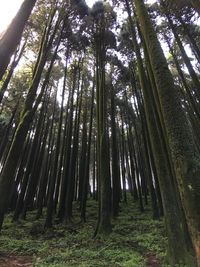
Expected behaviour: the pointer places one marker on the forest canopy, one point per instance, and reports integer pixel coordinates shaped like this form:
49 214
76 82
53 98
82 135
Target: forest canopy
102 102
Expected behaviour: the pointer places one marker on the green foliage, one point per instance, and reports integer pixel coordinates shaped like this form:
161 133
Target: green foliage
135 261
133 236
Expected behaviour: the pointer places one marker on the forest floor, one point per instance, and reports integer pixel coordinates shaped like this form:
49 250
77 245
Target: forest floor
136 241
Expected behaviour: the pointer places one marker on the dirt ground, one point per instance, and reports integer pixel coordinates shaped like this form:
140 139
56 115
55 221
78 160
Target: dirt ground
152 260
15 261
7 260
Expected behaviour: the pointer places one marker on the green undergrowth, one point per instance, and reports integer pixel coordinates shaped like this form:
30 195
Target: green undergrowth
134 235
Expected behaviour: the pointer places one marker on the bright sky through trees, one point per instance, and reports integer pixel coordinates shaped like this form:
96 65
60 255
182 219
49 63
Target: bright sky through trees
91 2
8 9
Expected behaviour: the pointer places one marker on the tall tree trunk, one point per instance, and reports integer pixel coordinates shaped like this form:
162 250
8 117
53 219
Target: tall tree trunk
116 190
103 160
183 149
87 168
7 175
14 63
12 36
186 59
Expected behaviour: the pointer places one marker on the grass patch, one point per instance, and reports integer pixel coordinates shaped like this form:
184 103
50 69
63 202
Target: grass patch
134 234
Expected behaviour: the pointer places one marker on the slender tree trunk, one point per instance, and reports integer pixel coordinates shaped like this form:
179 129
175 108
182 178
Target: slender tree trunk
7 175
68 147
11 38
115 158
11 70
186 59
183 149
103 160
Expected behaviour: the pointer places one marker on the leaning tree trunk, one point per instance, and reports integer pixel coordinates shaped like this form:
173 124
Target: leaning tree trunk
13 65
186 59
7 175
12 36
181 142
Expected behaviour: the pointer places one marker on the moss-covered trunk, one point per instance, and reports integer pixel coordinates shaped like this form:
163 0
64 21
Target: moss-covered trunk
29 109
179 135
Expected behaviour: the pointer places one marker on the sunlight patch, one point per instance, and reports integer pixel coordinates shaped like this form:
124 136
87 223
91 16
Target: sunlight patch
90 3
